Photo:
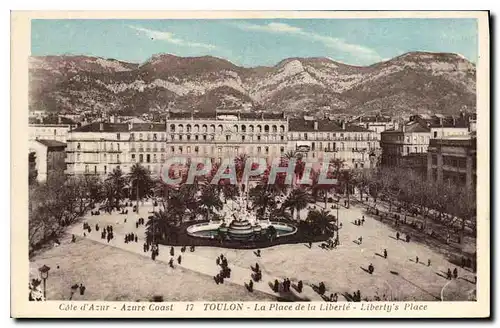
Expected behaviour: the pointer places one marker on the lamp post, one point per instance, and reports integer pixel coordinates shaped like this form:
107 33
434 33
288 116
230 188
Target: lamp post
44 273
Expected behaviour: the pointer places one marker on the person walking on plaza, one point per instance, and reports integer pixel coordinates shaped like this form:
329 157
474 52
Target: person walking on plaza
429 262
172 251
385 253
416 259
171 263
300 286
363 220
371 268
276 286
455 273
179 259
397 235
448 274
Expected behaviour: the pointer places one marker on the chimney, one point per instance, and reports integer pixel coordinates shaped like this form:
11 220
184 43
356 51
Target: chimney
454 120
59 119
342 124
101 126
130 125
441 121
403 128
315 125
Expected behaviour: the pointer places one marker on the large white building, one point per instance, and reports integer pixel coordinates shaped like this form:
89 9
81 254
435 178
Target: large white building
100 147
50 128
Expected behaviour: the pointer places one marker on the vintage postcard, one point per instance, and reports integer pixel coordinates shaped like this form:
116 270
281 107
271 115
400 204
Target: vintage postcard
250 164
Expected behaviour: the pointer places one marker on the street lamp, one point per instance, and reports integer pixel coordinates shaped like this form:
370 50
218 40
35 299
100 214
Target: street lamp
44 273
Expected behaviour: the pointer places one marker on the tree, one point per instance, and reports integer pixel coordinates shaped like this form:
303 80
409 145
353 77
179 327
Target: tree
262 199
347 181
297 201
209 200
140 180
321 220
32 171
117 183
161 226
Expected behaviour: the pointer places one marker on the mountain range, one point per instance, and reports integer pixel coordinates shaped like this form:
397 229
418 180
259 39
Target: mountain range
416 82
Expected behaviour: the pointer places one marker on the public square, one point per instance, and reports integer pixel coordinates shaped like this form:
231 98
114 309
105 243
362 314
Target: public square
116 270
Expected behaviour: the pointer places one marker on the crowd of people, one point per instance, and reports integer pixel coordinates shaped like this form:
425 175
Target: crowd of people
225 271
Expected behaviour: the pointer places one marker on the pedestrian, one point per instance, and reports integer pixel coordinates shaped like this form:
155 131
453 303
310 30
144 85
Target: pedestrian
448 274
258 252
257 267
250 286
276 286
172 251
300 286
171 263
360 240
73 238
416 259
153 255
385 253
363 220
429 262
82 289
310 244
335 297
179 259
97 227
455 273
397 235
217 261
371 268
136 239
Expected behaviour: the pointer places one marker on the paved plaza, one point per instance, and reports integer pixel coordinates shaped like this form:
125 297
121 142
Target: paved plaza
343 270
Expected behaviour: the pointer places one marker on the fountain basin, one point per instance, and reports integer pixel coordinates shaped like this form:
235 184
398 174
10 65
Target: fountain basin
239 230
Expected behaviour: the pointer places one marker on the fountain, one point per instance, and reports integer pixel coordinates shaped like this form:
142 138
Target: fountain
238 223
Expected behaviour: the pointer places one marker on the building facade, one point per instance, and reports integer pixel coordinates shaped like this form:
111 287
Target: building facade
453 160
406 142
356 146
100 147
50 128
225 135
49 157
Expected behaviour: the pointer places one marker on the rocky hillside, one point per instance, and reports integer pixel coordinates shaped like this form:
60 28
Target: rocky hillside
414 82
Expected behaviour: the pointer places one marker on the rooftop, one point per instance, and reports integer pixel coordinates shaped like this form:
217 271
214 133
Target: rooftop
121 127
51 143
325 125
51 120
214 115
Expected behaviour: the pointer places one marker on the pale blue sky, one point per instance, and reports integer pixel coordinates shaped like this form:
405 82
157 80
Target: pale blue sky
255 42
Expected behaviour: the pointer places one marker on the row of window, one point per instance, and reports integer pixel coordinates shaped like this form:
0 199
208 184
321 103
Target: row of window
220 128
332 136
94 158
181 150
227 137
